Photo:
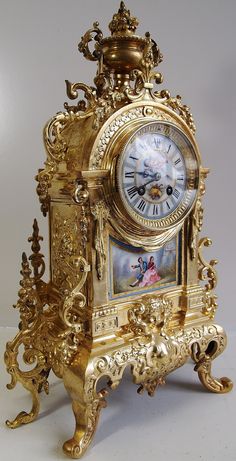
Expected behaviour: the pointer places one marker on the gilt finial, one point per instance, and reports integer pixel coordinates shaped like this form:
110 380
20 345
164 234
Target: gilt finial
122 22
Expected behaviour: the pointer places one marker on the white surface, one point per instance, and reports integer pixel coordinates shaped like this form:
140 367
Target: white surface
39 51
182 422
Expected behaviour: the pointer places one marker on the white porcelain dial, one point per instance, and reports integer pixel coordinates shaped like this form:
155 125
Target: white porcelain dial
157 173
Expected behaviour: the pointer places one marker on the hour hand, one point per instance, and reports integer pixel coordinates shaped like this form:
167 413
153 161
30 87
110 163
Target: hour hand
144 173
142 189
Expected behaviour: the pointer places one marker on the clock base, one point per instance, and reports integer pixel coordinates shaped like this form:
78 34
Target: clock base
149 343
151 358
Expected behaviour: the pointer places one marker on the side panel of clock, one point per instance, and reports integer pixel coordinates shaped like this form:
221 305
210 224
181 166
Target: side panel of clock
65 244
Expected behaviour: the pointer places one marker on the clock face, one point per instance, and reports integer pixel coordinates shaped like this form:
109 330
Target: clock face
158 175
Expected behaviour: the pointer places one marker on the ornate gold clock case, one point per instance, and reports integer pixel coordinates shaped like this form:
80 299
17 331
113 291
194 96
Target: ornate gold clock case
122 185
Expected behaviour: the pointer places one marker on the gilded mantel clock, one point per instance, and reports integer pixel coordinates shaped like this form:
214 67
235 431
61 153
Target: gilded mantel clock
122 186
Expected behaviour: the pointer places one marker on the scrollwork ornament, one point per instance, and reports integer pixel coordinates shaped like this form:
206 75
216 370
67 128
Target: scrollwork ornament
92 34
143 77
207 272
31 311
56 147
196 216
45 343
72 90
195 226
101 100
100 214
75 301
177 106
151 360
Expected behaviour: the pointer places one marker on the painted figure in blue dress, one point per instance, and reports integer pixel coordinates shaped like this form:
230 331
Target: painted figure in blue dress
142 266
148 273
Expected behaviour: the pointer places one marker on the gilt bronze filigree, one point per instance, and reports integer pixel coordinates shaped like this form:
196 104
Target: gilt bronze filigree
82 324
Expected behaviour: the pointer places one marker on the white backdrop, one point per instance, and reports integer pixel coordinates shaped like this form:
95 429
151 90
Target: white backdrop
39 51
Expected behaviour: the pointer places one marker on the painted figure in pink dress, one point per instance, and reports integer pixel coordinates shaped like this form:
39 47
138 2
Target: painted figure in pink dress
151 275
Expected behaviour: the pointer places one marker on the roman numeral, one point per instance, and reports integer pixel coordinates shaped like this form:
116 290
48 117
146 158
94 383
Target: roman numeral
176 193
155 210
169 149
168 205
180 178
177 161
132 191
142 205
129 174
134 158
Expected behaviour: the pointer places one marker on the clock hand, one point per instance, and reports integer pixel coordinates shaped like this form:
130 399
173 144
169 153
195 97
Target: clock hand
148 182
142 189
145 174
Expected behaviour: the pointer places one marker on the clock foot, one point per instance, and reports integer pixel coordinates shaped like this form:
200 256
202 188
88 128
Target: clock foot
203 362
86 404
86 418
23 417
33 381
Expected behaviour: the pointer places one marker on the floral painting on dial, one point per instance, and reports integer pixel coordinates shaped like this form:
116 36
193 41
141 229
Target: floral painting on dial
135 270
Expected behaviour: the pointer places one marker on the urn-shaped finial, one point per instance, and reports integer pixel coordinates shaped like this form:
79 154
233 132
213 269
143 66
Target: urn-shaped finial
122 22
123 51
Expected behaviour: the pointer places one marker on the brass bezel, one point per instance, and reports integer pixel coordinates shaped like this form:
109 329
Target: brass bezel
112 142
187 202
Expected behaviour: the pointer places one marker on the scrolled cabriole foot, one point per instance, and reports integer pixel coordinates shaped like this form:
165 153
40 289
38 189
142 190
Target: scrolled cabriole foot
203 360
217 385
23 417
33 381
86 417
80 380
